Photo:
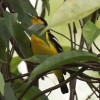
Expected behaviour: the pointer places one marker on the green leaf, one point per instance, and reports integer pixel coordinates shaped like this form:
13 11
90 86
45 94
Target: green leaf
30 93
90 32
14 63
61 59
4 32
2 84
16 7
36 30
10 21
22 40
73 10
18 33
27 7
37 58
9 93
47 5
22 7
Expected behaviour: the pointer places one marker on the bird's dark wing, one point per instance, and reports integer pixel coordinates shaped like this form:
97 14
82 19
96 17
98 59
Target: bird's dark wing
55 42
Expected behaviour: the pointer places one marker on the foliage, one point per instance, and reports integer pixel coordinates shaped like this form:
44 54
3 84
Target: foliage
15 33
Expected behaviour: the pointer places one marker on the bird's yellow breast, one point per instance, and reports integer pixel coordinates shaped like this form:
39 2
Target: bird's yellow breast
39 47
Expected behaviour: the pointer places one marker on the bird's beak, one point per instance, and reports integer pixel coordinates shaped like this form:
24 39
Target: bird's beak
30 15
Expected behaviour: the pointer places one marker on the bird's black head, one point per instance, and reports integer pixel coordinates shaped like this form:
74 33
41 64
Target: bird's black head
37 20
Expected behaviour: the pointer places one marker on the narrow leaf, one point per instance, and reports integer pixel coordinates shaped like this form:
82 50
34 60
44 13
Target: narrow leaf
22 7
47 5
14 63
37 58
36 30
4 32
61 59
10 21
18 33
27 7
9 93
90 32
72 10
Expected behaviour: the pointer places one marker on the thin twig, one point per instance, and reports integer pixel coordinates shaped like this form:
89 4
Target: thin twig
72 89
70 31
89 77
86 80
52 88
30 85
67 38
94 91
47 95
1 8
36 4
59 85
82 40
74 31
11 54
96 46
94 16
76 95
89 96
17 77
13 42
5 71
88 66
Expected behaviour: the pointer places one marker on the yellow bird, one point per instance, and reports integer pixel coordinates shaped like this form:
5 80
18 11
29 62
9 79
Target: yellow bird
39 47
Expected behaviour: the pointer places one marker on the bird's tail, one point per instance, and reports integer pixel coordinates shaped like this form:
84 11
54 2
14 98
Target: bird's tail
64 88
59 75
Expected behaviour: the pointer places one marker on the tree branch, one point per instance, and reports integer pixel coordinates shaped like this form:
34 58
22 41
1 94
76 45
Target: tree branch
59 85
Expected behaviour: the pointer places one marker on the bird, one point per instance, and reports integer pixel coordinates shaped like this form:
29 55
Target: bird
40 47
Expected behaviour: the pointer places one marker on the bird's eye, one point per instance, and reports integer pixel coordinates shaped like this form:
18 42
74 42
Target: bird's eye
37 17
